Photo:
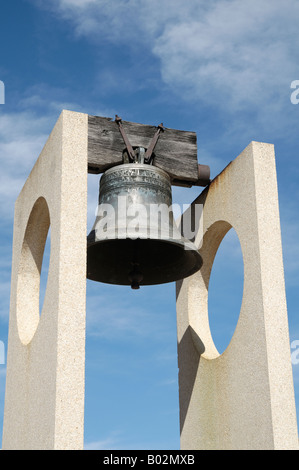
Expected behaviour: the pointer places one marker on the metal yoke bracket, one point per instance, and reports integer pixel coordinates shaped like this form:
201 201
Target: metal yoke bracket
147 157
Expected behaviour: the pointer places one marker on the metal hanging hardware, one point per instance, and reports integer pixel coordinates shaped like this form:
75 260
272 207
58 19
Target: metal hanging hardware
147 157
129 147
149 153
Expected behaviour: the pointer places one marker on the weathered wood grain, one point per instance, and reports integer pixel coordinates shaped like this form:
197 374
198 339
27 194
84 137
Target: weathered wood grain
175 151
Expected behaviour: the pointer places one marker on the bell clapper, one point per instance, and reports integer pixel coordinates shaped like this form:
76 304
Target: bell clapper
135 276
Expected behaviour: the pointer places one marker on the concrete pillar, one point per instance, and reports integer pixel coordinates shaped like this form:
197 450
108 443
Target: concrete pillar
44 400
243 398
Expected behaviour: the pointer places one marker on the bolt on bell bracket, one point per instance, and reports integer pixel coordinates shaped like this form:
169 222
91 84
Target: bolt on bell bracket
148 155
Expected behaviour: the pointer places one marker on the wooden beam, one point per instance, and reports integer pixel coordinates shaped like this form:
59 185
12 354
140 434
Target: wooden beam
175 151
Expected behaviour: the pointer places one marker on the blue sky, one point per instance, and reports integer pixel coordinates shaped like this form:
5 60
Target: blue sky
221 68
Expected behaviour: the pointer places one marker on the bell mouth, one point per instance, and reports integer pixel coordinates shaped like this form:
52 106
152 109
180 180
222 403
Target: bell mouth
134 240
141 262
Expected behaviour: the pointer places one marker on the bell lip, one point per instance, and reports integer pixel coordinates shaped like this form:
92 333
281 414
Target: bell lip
178 241
143 166
197 265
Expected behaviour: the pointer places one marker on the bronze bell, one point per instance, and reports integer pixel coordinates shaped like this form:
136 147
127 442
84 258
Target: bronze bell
134 240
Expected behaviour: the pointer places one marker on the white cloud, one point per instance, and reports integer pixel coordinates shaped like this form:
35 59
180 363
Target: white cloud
238 55
142 19
121 441
80 4
22 136
110 443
